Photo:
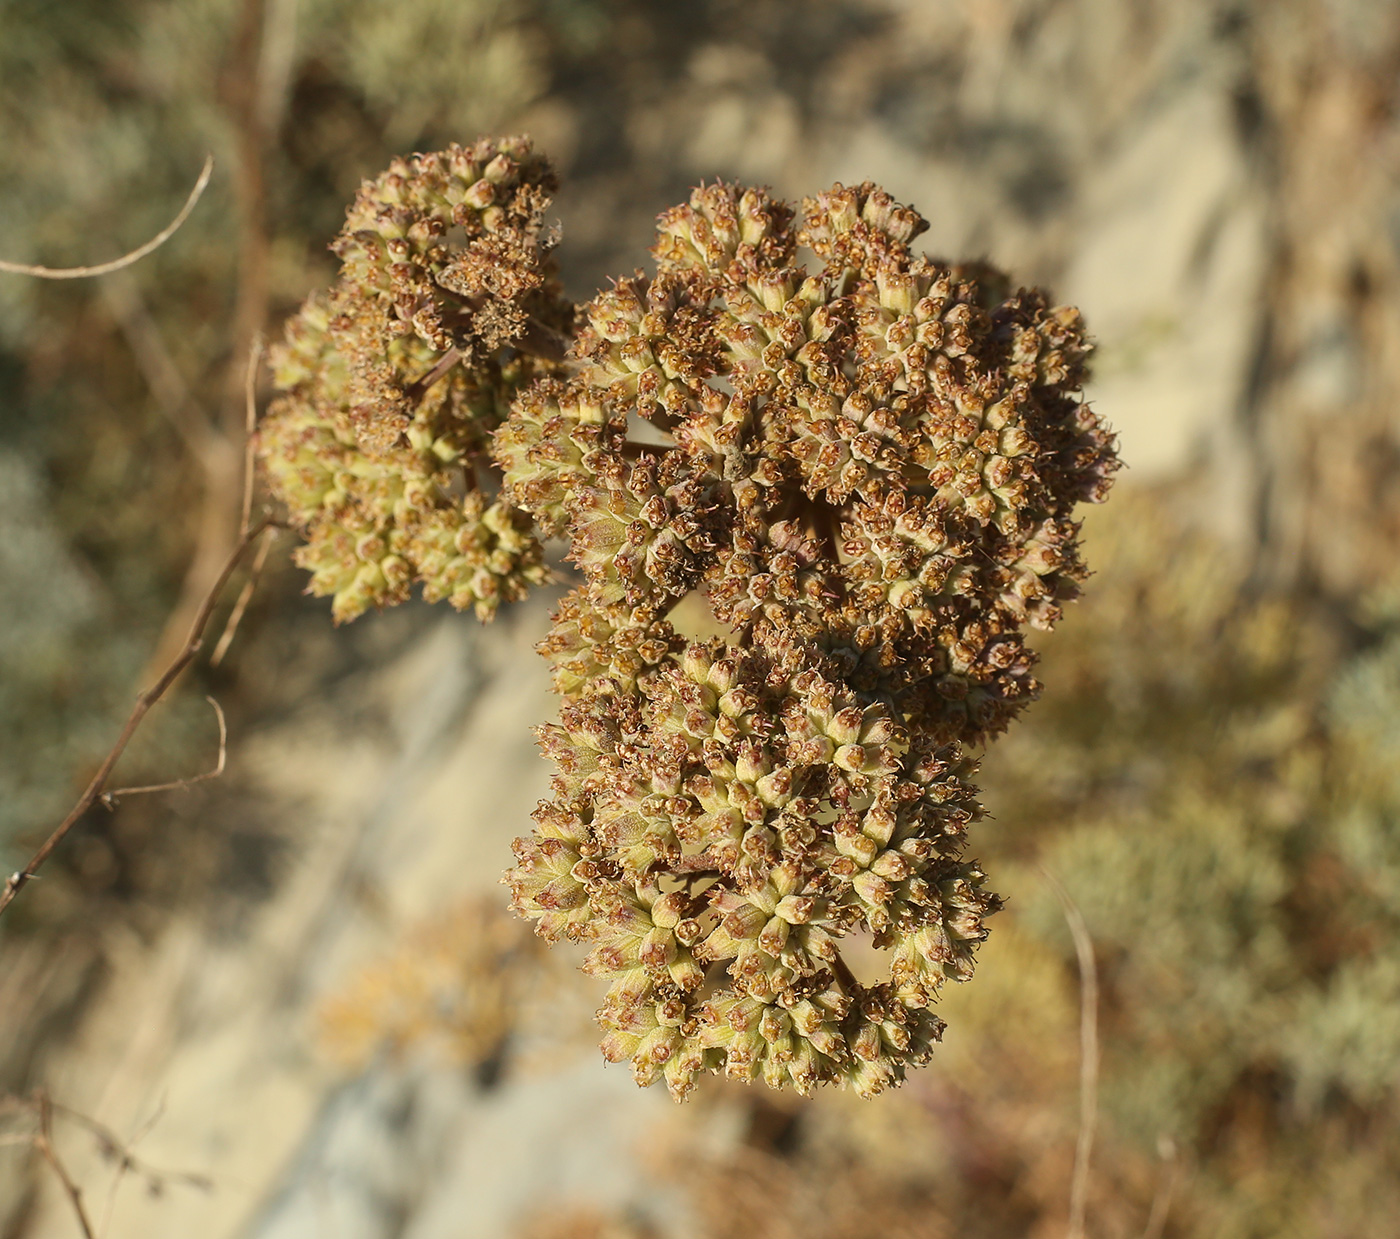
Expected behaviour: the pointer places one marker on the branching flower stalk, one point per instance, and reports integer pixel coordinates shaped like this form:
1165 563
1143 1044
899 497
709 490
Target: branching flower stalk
867 472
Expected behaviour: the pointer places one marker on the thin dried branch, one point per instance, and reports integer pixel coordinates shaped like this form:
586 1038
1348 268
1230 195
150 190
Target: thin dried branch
250 424
43 1142
123 1153
245 596
1088 1053
81 273
109 799
218 524
93 792
40 1109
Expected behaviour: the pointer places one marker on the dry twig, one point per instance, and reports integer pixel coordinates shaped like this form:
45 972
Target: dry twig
80 273
245 596
109 799
250 464
41 1109
123 1152
254 106
1088 1053
43 1141
93 792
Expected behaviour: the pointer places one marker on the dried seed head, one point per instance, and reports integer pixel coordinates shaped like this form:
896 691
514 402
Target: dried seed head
394 379
870 474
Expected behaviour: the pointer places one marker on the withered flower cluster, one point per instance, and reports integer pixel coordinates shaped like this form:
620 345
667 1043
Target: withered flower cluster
868 473
394 379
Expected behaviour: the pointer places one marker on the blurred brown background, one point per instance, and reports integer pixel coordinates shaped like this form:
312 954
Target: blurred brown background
296 981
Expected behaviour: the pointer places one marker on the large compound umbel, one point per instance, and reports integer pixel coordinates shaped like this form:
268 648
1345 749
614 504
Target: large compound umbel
869 474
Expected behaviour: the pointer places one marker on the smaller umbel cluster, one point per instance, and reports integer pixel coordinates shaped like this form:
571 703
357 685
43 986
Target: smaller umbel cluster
394 379
868 472
863 474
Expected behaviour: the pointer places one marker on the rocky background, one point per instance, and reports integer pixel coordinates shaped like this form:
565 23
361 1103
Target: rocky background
287 1002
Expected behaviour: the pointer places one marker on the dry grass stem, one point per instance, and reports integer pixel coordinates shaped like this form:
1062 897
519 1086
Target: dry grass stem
1088 1054
1166 1189
105 268
122 1153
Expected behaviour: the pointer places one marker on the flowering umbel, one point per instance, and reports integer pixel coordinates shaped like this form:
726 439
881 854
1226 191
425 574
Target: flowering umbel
869 473
394 379
866 473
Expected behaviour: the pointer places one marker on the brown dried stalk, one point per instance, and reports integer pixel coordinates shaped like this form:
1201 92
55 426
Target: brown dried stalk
250 424
1088 1054
43 1141
94 790
250 465
42 1109
252 108
109 799
235 617
140 252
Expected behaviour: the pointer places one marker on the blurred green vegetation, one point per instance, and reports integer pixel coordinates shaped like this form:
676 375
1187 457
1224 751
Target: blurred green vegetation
1217 766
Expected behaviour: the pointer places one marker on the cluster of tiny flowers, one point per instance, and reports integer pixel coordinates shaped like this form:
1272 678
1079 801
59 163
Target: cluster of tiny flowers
869 474
394 379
